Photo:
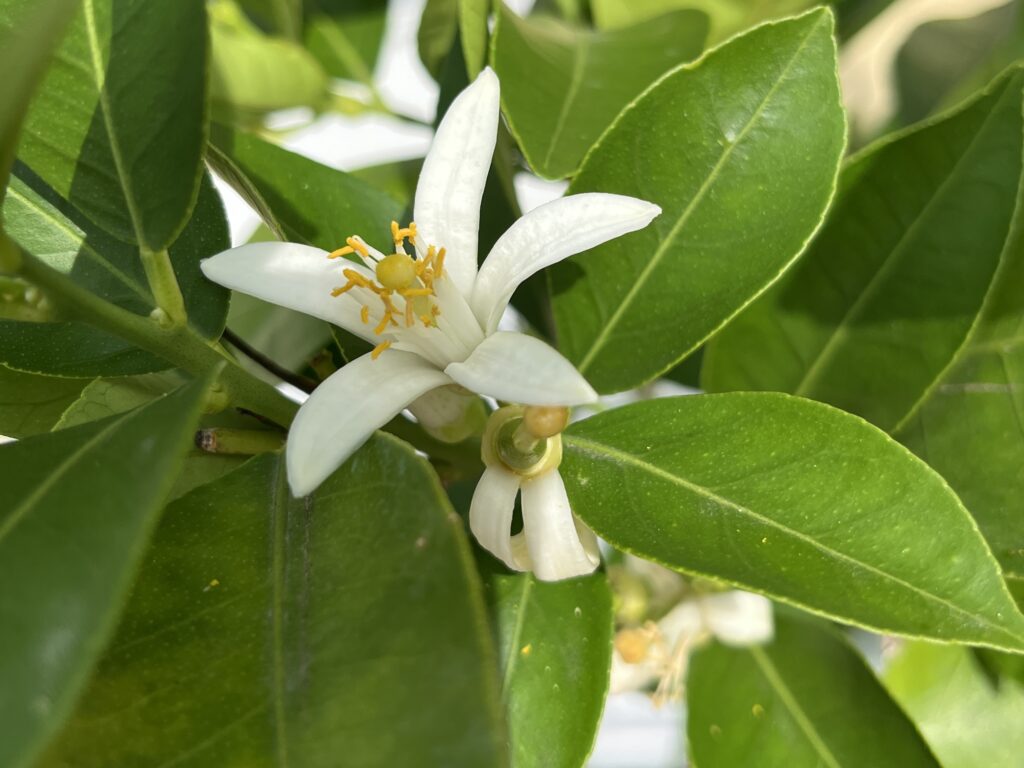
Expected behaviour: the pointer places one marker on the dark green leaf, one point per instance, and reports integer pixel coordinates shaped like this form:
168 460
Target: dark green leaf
309 202
52 230
554 643
345 36
31 404
437 33
794 499
876 312
562 86
347 626
103 398
79 506
119 124
713 145
967 722
804 699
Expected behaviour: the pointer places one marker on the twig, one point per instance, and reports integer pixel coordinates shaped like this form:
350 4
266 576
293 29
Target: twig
307 385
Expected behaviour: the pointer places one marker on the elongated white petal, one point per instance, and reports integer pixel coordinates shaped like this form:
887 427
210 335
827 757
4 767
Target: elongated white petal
739 618
451 184
521 369
345 410
490 514
296 276
555 548
545 236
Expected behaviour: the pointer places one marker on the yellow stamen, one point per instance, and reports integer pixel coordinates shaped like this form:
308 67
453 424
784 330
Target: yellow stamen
379 349
364 314
427 320
408 314
357 246
344 251
439 265
383 323
410 292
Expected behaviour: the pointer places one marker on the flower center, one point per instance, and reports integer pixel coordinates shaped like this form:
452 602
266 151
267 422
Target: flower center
404 285
510 440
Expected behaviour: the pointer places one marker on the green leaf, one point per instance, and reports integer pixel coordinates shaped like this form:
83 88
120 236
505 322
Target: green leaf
29 31
436 33
253 74
79 506
345 626
876 312
794 499
103 398
554 643
31 404
563 86
804 699
52 230
473 33
308 202
345 36
119 124
713 145
287 337
967 722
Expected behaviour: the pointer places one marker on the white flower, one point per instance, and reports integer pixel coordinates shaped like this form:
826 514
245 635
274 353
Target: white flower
659 652
433 319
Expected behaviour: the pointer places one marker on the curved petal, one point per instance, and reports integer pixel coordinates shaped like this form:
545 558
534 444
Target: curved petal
343 412
521 369
490 514
555 548
739 618
296 276
548 234
451 184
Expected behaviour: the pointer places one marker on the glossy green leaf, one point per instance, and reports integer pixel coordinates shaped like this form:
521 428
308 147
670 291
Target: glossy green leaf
967 722
436 33
345 36
346 626
308 202
473 33
252 74
804 699
52 230
554 644
563 86
67 558
713 145
103 398
31 404
794 499
29 31
876 312
119 123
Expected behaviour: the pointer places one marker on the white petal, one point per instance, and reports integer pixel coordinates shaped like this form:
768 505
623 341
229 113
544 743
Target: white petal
739 618
555 548
296 276
521 369
343 412
490 514
545 236
451 184
685 621
632 677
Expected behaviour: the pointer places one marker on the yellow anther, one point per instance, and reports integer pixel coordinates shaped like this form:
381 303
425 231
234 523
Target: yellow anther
357 246
364 314
427 320
439 264
383 323
379 349
394 231
344 251
397 271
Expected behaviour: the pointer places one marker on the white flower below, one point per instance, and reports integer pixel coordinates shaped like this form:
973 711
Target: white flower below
657 653
432 318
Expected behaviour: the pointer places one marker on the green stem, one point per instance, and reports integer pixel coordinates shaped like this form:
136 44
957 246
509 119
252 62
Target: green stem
163 283
178 344
238 442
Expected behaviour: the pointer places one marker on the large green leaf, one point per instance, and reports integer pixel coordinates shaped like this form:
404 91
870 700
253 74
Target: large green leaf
52 230
30 404
307 202
344 628
554 643
29 31
876 312
562 86
345 35
805 699
714 144
795 499
119 123
78 507
967 722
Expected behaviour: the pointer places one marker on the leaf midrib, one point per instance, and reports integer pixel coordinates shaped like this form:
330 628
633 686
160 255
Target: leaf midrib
517 634
580 53
803 721
601 449
659 254
889 263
